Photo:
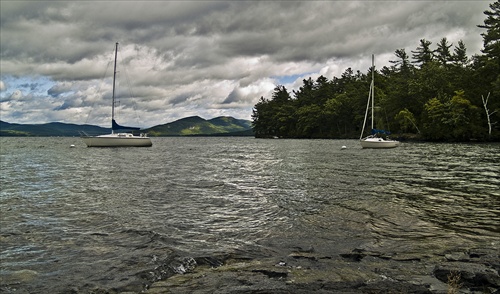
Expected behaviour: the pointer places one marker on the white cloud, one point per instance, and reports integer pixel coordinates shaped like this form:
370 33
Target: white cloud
16 95
203 58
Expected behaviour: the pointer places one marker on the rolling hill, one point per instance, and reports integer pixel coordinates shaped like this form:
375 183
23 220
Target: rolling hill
194 125
49 129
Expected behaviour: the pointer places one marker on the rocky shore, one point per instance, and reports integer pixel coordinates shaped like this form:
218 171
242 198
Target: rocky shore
358 271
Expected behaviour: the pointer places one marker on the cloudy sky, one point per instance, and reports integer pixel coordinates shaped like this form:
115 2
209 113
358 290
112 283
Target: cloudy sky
206 58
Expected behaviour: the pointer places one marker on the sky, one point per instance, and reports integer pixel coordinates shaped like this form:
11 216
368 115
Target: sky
205 58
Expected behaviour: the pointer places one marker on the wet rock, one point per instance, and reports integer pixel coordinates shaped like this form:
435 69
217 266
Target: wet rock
355 256
357 271
272 274
488 256
431 283
237 277
210 261
392 287
298 255
183 265
406 257
468 275
482 253
302 275
457 256
21 276
309 249
281 263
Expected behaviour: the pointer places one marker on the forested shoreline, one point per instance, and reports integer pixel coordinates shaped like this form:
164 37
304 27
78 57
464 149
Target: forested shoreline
437 94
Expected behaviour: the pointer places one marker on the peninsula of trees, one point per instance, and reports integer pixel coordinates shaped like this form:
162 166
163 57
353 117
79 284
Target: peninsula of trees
438 94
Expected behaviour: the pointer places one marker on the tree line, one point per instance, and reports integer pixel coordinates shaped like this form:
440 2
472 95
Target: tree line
438 93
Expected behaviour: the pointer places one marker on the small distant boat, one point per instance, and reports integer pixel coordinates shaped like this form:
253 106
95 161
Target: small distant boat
117 139
376 139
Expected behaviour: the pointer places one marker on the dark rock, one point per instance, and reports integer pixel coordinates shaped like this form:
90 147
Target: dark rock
457 256
210 261
469 275
392 287
272 274
320 271
304 255
310 249
354 256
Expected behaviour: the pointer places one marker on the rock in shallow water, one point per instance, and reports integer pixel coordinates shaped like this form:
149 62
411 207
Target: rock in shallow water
469 275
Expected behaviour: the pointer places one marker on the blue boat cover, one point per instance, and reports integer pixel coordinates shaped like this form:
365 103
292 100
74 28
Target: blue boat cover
383 132
115 126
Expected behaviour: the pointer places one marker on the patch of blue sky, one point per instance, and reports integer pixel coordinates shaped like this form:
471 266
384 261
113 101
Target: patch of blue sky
35 85
283 80
290 79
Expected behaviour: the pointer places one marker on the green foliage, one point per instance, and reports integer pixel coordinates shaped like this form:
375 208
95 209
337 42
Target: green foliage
423 54
491 39
195 125
436 96
433 127
460 54
489 63
406 120
456 119
13 133
443 53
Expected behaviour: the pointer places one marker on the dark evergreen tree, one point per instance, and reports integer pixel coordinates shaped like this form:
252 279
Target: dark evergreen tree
488 65
491 38
460 54
440 99
490 62
423 54
273 117
443 53
403 64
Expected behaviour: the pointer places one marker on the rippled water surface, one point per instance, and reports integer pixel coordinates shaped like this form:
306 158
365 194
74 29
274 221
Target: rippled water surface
86 218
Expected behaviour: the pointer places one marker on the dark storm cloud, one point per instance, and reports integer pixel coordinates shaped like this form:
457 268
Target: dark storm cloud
206 33
180 99
234 96
212 54
59 89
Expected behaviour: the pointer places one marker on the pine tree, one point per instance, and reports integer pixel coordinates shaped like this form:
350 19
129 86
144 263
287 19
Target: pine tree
460 54
403 63
443 54
489 69
491 38
423 54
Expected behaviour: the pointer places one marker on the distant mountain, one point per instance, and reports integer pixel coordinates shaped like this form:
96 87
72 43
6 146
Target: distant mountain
194 125
49 129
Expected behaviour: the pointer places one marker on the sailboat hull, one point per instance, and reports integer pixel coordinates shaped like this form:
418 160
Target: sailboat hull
117 140
378 143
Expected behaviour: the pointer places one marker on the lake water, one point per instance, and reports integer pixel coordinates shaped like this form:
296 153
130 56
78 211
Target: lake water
78 219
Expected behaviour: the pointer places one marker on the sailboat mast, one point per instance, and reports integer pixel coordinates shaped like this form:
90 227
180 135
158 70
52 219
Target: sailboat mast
373 89
114 78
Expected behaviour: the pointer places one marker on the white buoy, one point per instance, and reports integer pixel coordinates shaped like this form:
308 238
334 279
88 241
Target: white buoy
344 147
72 146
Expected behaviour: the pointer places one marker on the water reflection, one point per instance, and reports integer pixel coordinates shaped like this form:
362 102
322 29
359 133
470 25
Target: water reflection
88 217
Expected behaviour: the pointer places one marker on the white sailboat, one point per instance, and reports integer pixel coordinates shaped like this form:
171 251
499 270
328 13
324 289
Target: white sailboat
117 139
375 140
